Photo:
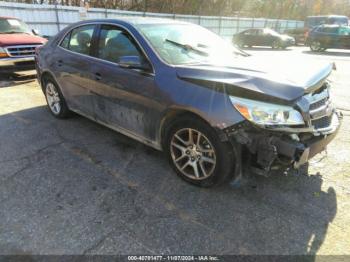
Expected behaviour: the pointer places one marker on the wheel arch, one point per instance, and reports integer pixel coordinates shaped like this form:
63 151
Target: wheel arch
173 115
44 75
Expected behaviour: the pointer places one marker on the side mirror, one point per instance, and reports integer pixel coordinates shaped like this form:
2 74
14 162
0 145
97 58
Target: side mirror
132 62
35 31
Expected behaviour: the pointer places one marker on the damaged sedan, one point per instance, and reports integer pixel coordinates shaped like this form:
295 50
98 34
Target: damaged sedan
213 109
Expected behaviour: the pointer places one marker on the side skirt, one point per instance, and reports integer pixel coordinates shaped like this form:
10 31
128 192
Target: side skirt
123 131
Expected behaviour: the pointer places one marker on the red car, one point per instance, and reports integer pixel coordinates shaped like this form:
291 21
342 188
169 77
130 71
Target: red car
17 45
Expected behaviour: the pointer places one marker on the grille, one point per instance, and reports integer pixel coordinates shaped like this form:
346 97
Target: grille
320 109
322 122
319 104
20 51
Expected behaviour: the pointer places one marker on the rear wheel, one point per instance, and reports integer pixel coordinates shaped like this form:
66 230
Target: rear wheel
240 44
197 155
316 46
55 100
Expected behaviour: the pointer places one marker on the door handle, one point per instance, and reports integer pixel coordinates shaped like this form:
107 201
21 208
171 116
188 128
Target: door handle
98 76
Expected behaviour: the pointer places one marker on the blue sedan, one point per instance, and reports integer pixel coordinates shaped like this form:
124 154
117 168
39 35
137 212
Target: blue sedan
213 109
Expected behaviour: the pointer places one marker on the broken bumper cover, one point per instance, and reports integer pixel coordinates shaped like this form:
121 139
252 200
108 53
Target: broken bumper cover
308 149
276 149
12 64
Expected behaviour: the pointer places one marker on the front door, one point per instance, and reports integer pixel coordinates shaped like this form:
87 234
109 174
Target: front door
123 97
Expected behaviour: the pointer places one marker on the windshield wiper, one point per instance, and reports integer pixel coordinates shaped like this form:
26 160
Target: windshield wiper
187 47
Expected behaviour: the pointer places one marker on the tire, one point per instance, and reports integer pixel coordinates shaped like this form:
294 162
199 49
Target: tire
55 101
276 44
214 160
316 46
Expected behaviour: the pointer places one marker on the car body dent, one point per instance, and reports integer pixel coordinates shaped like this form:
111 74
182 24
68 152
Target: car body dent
262 85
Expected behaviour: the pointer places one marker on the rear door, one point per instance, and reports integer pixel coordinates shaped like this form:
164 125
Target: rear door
266 38
248 37
259 37
73 68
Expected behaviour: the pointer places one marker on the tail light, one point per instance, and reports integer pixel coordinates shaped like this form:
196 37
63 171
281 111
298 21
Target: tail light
3 53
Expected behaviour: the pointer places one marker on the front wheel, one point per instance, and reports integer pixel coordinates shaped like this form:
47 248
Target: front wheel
276 44
198 156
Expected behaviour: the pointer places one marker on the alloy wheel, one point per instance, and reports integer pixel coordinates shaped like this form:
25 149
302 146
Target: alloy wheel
53 98
193 154
316 46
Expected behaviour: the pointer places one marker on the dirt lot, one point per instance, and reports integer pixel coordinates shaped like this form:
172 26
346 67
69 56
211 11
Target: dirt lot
75 187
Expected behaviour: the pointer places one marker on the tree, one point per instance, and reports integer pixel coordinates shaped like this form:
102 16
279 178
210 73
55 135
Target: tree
280 9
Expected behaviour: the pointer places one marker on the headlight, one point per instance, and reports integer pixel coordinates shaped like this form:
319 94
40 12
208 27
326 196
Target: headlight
3 52
267 114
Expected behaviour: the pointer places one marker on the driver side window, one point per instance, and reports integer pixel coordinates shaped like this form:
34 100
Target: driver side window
114 43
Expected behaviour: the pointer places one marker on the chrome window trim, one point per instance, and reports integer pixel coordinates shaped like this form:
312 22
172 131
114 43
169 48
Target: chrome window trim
99 59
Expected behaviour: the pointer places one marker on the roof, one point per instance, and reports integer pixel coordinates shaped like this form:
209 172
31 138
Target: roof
150 20
136 20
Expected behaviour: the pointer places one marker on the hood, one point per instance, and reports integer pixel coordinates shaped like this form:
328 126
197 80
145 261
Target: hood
265 79
286 37
20 39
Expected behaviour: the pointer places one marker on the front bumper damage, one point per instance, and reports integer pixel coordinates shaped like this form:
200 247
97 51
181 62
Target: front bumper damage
264 150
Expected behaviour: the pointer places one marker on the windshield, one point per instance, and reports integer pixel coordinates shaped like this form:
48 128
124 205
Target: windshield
188 44
271 32
10 25
320 20
338 20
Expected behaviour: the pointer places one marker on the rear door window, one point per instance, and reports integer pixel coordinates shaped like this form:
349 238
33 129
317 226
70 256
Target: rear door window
331 30
79 40
249 32
260 32
65 41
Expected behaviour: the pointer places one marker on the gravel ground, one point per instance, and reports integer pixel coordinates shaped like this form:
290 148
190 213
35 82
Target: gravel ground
75 187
